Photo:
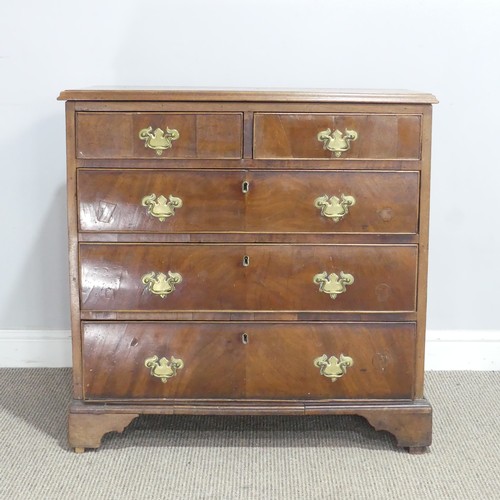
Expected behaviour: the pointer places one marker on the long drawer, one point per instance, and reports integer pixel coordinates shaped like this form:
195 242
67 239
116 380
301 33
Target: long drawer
337 136
238 277
177 201
256 361
159 135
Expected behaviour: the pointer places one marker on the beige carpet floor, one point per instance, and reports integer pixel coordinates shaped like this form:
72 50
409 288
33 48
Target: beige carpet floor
184 457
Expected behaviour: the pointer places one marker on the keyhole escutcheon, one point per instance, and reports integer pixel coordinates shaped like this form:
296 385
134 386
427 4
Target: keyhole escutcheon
245 187
246 261
244 338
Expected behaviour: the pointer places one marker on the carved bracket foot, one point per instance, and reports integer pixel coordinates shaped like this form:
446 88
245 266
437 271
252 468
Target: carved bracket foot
411 426
85 430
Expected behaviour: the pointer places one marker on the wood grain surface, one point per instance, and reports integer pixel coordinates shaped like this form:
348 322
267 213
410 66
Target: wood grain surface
276 362
203 135
216 95
278 277
283 202
110 200
287 135
276 202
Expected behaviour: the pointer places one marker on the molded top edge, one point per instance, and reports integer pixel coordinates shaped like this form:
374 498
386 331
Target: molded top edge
247 95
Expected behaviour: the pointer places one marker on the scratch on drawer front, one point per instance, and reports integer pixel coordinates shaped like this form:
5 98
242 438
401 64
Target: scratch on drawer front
101 282
104 211
381 360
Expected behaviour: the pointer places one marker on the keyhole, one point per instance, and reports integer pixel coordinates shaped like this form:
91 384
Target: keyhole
246 261
245 187
244 338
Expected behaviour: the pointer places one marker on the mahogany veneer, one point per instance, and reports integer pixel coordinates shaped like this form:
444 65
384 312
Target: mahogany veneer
203 135
225 367
276 199
294 135
274 254
277 278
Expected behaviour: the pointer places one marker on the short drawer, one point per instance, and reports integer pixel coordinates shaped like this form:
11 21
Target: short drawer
178 360
158 135
337 136
238 277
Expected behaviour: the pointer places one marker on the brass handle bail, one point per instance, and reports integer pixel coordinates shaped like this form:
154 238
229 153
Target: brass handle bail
336 141
333 284
332 367
333 207
161 207
157 139
161 284
163 368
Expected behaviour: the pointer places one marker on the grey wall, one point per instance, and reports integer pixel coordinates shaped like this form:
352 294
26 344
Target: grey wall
448 47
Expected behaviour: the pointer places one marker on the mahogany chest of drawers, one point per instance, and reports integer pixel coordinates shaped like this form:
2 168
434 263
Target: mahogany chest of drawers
245 252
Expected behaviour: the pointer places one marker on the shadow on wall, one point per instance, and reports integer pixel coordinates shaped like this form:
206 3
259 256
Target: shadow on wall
36 293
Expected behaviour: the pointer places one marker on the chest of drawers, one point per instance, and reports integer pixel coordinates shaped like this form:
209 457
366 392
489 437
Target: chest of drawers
245 252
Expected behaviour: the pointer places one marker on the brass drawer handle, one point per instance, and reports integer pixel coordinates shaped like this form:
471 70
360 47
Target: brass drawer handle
158 139
161 285
161 207
336 141
333 284
163 368
334 208
331 367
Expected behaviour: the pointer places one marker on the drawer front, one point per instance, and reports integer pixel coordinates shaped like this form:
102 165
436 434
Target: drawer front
333 202
166 201
255 361
337 136
331 278
145 135
160 201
